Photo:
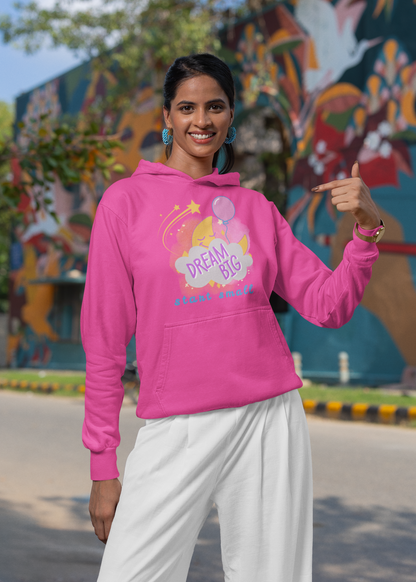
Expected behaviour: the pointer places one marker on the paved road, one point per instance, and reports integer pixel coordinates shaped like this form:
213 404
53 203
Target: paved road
364 489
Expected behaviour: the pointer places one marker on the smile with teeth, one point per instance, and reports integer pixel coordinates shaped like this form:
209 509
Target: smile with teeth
202 136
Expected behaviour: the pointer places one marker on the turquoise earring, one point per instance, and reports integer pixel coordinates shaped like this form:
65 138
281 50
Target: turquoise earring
167 137
231 138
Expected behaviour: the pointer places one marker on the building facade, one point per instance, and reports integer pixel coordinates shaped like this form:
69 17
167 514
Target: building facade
319 84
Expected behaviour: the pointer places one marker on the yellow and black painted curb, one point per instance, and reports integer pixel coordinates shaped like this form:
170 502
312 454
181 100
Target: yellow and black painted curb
385 413
41 386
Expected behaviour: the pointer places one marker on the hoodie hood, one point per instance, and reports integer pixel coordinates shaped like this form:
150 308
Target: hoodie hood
157 168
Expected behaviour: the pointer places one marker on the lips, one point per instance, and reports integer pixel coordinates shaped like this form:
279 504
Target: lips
197 136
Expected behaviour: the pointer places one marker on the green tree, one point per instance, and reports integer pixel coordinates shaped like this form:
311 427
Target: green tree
133 38
6 130
51 149
6 120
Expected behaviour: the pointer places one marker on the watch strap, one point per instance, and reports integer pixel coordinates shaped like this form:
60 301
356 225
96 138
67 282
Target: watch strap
369 235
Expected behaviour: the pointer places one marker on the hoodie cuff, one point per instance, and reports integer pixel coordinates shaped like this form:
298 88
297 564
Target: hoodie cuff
103 465
362 248
370 232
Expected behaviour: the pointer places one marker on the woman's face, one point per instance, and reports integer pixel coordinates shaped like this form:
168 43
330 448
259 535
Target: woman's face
200 116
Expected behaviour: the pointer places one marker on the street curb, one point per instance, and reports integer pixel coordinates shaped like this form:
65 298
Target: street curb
41 386
383 413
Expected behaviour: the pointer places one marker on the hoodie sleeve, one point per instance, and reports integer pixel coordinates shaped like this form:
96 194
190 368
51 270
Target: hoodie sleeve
107 321
324 297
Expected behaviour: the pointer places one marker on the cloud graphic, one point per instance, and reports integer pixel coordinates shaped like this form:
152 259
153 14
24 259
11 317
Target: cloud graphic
220 262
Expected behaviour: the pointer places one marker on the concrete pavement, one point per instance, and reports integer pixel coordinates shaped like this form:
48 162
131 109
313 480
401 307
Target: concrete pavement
364 501
364 483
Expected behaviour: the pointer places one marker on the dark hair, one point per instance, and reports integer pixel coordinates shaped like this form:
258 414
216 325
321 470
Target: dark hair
184 68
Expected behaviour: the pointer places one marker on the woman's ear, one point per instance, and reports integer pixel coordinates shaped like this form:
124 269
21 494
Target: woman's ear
166 116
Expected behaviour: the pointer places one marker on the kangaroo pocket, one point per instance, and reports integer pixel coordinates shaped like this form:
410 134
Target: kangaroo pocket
223 361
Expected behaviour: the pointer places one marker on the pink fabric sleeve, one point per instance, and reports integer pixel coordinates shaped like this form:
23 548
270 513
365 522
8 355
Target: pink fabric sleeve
366 232
324 297
108 320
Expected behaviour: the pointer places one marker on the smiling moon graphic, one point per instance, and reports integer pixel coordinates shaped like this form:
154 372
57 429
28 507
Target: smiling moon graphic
204 233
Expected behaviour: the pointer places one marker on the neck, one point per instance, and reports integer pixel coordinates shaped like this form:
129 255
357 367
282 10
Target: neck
191 165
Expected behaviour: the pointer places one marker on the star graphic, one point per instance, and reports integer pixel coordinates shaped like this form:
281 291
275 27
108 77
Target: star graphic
193 207
176 207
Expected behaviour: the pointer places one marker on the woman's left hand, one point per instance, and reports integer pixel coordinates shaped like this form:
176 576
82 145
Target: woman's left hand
352 195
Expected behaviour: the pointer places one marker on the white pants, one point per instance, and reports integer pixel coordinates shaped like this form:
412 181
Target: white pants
254 462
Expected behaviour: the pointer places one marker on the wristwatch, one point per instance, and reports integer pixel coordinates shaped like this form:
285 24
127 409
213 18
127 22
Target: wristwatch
376 237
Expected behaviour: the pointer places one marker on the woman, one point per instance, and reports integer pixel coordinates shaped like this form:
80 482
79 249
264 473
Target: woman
186 259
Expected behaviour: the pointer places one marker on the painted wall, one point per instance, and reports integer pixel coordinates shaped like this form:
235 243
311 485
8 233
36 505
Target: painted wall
342 77
43 326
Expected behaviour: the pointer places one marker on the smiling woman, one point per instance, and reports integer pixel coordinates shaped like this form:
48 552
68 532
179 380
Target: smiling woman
198 111
185 258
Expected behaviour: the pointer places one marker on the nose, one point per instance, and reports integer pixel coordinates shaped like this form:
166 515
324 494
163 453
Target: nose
202 118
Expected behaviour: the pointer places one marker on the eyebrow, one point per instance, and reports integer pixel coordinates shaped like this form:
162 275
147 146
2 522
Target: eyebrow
206 102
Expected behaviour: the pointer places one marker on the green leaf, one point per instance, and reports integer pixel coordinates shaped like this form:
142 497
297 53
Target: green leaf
407 135
340 120
227 55
119 168
55 216
284 47
116 144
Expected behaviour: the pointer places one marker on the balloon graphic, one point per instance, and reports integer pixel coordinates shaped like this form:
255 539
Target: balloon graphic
223 209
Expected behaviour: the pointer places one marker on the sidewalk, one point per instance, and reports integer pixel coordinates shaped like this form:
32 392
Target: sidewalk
337 409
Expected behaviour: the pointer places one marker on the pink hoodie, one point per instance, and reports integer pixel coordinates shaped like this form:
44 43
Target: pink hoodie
188 267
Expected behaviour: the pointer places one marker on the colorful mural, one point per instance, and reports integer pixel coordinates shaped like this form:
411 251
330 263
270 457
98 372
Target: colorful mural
49 261
341 76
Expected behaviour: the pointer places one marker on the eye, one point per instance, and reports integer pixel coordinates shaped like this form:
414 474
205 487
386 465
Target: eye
183 107
218 106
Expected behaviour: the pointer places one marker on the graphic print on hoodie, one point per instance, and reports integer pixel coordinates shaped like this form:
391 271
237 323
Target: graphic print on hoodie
213 250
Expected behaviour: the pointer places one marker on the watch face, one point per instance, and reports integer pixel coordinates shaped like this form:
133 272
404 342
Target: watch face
379 236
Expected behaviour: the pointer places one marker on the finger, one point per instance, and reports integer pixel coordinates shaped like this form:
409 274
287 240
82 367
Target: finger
340 191
100 530
343 206
355 171
341 200
107 527
331 185
342 197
